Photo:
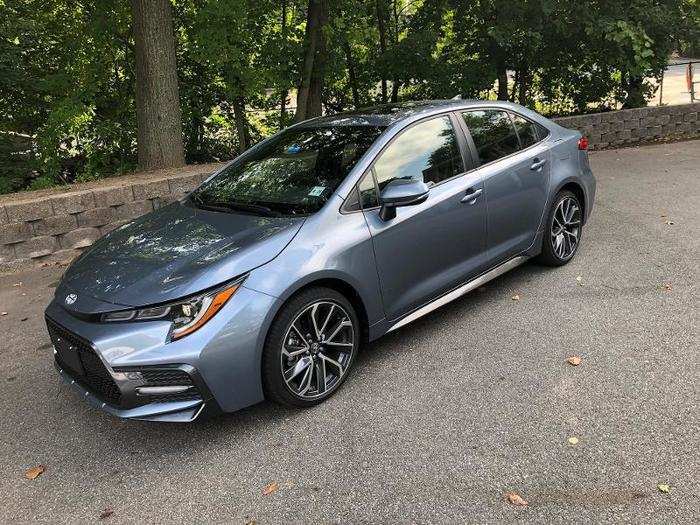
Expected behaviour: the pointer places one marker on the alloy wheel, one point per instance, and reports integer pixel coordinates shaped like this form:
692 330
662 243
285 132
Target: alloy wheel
317 350
566 228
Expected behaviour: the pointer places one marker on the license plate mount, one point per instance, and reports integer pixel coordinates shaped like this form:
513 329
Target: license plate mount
68 356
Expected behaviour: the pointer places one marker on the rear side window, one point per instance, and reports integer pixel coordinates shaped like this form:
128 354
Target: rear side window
427 151
526 131
493 133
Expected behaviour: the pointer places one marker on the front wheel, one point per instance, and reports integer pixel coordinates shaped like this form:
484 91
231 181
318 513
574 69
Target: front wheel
310 348
563 232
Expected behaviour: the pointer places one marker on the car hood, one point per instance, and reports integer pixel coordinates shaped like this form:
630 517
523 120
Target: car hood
173 252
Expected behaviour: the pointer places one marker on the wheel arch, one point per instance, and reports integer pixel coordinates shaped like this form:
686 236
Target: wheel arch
577 189
340 285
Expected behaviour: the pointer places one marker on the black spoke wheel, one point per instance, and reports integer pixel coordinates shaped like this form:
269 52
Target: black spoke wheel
310 348
563 232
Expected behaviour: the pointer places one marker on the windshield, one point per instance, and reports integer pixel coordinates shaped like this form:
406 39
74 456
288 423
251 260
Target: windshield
292 174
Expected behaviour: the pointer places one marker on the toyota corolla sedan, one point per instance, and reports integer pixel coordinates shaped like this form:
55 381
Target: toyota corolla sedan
265 280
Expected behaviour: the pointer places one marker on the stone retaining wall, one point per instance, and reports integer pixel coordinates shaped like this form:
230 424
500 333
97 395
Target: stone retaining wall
49 227
53 227
636 126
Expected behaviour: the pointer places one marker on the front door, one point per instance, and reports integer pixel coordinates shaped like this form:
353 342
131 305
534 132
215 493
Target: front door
515 171
431 247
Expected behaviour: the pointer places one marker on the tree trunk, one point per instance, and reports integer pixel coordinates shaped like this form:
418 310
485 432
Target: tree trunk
502 83
395 85
158 114
285 93
514 87
241 122
352 78
523 86
635 93
311 86
381 25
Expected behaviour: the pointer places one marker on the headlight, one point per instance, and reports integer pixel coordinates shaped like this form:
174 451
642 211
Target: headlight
186 316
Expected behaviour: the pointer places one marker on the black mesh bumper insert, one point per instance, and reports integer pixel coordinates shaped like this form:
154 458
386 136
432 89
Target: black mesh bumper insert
170 377
79 359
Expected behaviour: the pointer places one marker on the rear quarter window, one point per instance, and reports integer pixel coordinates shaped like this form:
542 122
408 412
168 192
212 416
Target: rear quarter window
527 130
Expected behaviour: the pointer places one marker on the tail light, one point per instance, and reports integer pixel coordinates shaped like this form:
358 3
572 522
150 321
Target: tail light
583 143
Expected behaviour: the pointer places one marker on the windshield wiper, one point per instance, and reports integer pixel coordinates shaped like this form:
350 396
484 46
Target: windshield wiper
231 206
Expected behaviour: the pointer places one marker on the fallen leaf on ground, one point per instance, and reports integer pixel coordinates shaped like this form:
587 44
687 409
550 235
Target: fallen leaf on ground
579 280
34 472
515 499
270 488
573 440
24 319
516 297
668 287
663 487
106 513
18 284
670 223
3 313
574 360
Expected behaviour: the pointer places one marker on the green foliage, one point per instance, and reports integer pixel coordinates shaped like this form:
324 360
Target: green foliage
67 72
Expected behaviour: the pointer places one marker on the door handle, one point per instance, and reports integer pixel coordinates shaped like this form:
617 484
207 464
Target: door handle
537 164
472 195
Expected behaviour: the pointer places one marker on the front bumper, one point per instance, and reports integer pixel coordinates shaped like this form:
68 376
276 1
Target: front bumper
215 369
170 412
173 393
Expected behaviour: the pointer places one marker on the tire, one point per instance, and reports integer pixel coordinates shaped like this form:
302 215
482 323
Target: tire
562 235
304 373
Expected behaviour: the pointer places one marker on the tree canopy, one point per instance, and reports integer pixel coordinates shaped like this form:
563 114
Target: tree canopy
68 81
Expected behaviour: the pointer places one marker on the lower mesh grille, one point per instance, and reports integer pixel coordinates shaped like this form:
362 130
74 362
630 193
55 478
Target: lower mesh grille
180 396
76 356
165 376
169 377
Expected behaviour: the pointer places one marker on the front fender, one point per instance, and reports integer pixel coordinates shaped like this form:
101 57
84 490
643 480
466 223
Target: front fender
337 248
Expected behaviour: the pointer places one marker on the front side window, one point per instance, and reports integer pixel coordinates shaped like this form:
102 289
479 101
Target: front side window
427 151
293 174
493 133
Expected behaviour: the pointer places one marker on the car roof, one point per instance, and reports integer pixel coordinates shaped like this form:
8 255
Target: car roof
388 114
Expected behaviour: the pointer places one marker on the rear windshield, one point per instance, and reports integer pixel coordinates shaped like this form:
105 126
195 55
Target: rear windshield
292 174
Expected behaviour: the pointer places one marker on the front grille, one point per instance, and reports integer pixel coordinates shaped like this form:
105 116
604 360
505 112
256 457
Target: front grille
77 357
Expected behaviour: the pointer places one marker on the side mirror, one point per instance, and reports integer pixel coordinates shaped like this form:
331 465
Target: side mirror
401 192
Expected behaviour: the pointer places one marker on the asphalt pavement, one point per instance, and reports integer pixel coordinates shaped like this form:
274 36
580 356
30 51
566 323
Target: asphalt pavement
440 419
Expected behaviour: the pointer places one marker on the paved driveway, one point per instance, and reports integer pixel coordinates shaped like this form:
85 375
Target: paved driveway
439 419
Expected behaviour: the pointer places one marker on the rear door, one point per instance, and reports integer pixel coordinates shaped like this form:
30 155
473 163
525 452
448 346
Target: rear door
515 170
430 247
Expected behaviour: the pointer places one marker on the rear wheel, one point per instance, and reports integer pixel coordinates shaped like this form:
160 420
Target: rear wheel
563 232
310 348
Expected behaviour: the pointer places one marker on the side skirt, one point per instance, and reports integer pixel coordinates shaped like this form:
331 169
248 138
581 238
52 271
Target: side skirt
459 292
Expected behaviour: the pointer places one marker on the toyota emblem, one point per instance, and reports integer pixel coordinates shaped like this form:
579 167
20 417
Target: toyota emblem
71 298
